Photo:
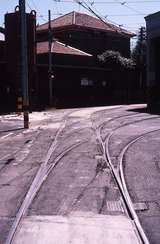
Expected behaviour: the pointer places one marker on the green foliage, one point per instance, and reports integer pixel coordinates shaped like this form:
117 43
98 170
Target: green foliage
139 52
114 58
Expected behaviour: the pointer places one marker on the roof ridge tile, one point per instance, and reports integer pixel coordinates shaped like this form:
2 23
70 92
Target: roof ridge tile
59 47
86 21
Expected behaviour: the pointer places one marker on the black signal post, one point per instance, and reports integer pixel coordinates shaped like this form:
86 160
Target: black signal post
24 63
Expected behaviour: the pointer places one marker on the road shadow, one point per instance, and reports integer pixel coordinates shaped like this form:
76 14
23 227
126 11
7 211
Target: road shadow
145 110
11 130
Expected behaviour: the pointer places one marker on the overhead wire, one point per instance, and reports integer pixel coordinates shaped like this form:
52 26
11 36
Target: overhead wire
125 4
56 4
109 15
35 6
127 15
96 2
88 8
32 4
109 2
103 19
93 6
37 10
106 17
28 5
133 9
92 3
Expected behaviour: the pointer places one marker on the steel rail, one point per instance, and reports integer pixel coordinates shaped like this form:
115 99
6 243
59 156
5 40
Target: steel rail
121 174
106 155
107 138
119 177
119 109
37 134
40 177
128 203
126 124
33 188
115 118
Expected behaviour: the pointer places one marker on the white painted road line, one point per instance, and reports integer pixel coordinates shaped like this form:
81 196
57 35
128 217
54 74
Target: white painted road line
3 137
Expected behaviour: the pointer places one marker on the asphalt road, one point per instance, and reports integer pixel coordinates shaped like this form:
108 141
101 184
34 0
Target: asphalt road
80 186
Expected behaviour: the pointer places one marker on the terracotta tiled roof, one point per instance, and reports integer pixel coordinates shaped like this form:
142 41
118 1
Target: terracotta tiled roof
58 47
84 20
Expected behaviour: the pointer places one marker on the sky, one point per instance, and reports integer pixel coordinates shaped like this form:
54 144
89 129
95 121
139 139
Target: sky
128 14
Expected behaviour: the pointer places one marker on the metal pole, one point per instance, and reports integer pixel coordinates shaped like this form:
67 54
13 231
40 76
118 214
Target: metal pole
24 62
50 59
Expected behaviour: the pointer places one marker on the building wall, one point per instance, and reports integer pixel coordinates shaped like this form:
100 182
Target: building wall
91 41
13 46
153 59
74 86
6 93
2 51
13 52
77 82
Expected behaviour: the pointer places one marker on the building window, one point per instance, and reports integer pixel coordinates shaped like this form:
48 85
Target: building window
86 82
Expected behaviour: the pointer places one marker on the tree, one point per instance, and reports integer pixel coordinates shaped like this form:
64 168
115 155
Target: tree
139 56
139 52
114 59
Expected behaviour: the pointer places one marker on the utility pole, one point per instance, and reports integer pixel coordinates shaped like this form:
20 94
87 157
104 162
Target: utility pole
24 63
142 38
50 59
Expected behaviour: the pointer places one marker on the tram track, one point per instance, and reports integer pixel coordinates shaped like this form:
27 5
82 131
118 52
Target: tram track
47 166
80 195
124 185
120 180
118 171
40 177
32 137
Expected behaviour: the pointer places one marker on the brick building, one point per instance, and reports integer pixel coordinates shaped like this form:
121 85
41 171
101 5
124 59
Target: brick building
153 59
88 34
10 59
78 79
3 78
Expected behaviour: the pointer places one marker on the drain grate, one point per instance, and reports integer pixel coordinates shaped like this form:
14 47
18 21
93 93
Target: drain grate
114 206
140 206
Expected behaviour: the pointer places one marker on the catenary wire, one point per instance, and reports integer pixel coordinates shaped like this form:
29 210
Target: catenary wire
37 10
108 2
125 4
90 9
94 12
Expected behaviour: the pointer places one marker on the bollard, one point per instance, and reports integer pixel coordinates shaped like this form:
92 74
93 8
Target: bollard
26 119
19 105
